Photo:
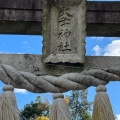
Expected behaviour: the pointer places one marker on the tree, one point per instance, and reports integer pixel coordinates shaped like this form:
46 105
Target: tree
36 108
79 106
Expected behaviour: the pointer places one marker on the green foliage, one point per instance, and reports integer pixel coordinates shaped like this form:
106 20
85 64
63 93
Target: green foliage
79 105
36 108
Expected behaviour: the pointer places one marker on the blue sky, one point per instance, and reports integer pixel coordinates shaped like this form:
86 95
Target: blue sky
95 46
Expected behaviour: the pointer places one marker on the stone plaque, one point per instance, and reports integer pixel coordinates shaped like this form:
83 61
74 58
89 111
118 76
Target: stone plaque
64 31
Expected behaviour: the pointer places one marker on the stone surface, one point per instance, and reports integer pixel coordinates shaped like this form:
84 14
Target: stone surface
33 64
28 63
66 2
21 15
21 4
64 32
27 17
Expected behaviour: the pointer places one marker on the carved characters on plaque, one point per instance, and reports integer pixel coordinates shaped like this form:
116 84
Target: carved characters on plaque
64 32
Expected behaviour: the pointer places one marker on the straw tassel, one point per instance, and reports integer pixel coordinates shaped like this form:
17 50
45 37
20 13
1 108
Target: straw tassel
59 109
102 109
8 105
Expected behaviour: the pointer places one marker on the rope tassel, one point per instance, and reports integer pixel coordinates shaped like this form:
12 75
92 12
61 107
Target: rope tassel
59 110
102 109
8 105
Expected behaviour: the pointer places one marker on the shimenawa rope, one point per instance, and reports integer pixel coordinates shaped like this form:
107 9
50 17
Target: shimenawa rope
66 82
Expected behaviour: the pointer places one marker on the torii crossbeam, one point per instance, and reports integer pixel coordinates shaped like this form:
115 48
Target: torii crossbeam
25 17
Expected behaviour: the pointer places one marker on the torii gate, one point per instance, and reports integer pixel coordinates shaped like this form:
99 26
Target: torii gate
35 72
25 17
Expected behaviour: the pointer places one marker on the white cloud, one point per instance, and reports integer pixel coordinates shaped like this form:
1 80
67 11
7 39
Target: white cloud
25 42
117 117
5 52
112 49
98 38
21 91
97 50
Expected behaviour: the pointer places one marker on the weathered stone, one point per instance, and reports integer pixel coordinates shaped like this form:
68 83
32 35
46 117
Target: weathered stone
21 4
64 32
66 2
33 64
21 15
27 17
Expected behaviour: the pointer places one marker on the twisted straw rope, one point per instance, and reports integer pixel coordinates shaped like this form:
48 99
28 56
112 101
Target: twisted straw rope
64 83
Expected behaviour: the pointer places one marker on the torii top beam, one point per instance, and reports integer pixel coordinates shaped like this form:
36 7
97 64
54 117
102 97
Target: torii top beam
25 17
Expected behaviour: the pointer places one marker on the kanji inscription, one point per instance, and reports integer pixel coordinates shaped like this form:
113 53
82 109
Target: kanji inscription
64 32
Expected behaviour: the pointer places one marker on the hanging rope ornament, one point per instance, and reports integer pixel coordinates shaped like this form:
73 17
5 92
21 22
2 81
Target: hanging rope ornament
8 105
102 109
59 109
